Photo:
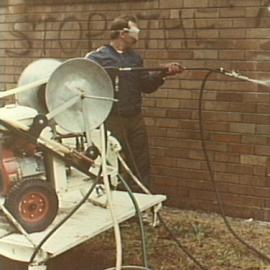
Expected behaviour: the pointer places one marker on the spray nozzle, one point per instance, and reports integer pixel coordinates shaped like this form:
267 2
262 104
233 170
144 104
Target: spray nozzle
233 74
239 76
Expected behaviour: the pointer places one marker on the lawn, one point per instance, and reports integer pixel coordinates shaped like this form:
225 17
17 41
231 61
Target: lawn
203 234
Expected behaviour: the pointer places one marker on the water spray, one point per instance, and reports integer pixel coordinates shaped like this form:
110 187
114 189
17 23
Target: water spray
241 77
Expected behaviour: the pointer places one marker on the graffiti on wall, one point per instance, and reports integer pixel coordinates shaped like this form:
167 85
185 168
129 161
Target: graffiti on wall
79 34
262 20
90 33
61 2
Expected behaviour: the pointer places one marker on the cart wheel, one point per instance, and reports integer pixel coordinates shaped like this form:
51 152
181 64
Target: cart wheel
34 203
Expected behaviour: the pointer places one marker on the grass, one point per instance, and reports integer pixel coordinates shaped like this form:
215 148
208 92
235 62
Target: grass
204 235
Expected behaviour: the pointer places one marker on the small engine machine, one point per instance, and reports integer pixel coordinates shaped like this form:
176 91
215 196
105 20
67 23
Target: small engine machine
23 178
75 96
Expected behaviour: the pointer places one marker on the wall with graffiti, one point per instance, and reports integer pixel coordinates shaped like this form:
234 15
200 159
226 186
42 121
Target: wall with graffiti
234 35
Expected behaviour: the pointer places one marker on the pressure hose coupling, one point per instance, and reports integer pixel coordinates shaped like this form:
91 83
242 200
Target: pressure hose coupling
233 74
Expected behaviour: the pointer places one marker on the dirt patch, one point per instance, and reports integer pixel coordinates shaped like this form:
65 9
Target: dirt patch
204 235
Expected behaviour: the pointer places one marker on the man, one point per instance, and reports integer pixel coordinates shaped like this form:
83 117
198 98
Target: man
126 121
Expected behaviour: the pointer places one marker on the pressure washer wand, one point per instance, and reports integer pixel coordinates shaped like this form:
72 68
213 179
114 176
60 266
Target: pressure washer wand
142 69
221 70
117 71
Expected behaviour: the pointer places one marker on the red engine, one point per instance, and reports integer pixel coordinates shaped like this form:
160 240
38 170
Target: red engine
24 184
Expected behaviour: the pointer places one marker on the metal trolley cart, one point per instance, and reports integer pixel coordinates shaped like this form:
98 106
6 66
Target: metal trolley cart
59 167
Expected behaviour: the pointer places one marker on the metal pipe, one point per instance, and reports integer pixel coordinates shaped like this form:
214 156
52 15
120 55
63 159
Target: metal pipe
23 88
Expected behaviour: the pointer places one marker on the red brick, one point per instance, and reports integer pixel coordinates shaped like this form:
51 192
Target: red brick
214 126
243 189
179 93
263 108
216 106
252 180
179 114
194 3
241 200
229 138
168 103
233 33
227 157
226 177
236 97
206 13
245 22
257 119
231 55
222 116
203 195
197 155
205 54
263 129
169 123
217 146
239 169
241 148
246 108
188 163
262 150
154 112
232 12
164 161
254 139
259 170
253 160
208 33
196 184
179 153
171 4
258 33
214 23
242 128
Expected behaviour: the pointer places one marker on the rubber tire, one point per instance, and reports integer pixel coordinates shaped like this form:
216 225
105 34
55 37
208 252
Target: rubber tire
16 195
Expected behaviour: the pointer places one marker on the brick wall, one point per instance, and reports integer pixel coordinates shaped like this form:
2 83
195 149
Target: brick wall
206 33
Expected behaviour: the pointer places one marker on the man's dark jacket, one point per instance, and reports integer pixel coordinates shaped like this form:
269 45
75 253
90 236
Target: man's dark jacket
131 84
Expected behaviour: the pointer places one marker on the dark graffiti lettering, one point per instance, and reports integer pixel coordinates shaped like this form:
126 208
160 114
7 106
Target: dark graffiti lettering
97 24
61 2
71 34
263 12
66 44
45 21
23 38
149 18
91 31
27 45
177 25
261 19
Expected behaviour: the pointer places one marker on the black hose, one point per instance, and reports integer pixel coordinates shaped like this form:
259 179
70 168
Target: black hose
192 258
75 208
220 202
219 199
138 212
185 250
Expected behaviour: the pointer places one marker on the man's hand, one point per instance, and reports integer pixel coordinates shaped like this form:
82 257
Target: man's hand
173 68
